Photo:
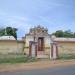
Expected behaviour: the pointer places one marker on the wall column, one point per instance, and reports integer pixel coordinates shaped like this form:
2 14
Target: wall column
53 51
32 49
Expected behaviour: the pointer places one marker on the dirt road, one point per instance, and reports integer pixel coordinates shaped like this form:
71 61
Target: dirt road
35 65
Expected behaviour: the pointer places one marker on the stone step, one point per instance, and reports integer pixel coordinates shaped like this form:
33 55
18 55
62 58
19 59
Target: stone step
40 52
42 56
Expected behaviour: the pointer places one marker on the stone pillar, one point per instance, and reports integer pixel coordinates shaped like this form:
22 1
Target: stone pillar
53 51
32 49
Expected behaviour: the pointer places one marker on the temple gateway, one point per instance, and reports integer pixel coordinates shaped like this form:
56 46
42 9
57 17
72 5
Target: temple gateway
38 43
38 36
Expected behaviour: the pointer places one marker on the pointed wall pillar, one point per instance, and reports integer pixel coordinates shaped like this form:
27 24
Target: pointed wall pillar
32 49
53 51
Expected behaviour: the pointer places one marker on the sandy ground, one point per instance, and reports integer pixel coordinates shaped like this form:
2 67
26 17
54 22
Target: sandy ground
35 65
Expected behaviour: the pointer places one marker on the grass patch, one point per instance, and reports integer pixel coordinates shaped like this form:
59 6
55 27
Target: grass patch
67 56
16 59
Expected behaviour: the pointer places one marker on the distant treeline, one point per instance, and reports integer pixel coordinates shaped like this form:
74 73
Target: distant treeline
8 31
67 33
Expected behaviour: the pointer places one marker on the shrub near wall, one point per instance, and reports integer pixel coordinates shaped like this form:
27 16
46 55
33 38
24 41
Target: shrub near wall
15 58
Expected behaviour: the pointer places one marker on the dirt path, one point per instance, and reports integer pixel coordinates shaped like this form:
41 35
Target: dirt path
35 65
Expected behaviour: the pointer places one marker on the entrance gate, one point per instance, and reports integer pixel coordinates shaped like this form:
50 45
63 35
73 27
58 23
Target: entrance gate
33 50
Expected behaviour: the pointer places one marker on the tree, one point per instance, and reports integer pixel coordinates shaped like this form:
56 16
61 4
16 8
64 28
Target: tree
74 35
66 33
2 31
9 31
59 33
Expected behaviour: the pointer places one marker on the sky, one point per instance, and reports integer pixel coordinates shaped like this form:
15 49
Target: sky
25 14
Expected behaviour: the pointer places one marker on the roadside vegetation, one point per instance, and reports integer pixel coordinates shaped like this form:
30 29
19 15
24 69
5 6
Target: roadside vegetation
19 58
15 58
66 56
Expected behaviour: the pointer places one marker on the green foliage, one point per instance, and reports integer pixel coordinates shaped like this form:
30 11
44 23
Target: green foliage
59 33
2 31
8 31
16 59
67 34
11 31
66 56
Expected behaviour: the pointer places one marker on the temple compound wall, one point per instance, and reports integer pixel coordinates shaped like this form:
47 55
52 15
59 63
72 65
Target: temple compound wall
10 46
46 45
